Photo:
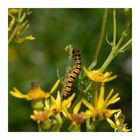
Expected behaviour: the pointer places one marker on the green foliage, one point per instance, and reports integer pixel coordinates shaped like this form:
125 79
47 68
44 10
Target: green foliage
37 61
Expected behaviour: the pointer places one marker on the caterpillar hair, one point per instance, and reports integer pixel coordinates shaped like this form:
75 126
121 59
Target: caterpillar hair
73 72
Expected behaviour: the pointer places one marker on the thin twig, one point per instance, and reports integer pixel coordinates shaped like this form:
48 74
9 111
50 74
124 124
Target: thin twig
114 27
124 47
101 37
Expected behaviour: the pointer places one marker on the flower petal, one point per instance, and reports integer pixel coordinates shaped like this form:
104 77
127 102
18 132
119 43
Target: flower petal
87 104
107 74
66 113
55 86
100 103
36 93
77 107
109 112
108 96
67 102
17 93
113 100
112 124
110 78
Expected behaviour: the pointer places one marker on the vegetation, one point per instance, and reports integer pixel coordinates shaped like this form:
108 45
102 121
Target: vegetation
75 75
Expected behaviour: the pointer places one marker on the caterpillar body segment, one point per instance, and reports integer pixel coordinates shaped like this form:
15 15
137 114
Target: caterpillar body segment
73 72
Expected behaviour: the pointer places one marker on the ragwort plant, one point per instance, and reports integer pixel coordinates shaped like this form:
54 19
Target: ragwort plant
18 25
90 104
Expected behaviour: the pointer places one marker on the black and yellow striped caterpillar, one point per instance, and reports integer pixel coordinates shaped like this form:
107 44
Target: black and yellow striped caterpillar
73 72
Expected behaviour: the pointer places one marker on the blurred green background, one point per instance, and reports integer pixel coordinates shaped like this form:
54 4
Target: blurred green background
38 60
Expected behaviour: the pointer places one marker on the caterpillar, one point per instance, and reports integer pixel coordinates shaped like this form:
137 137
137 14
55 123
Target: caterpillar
73 72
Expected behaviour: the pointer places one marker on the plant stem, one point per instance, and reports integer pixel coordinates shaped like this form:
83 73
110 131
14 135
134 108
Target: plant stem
114 52
88 87
114 27
90 125
108 60
13 34
101 37
19 21
124 34
116 47
125 45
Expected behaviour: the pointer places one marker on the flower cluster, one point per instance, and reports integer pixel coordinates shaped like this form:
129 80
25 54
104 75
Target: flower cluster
61 108
99 77
49 110
119 125
18 25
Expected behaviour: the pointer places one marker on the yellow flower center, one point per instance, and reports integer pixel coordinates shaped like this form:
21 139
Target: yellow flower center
36 93
41 116
77 118
97 76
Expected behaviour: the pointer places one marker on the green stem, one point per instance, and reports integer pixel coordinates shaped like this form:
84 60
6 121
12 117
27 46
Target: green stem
116 49
114 52
114 27
123 48
13 34
19 21
108 60
124 34
101 37
111 55
88 87
93 125
90 125
39 128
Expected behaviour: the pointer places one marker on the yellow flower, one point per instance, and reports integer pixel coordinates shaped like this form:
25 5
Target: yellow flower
100 105
22 39
39 116
119 125
58 105
53 108
35 93
18 25
66 104
54 105
11 12
97 76
99 109
76 117
46 121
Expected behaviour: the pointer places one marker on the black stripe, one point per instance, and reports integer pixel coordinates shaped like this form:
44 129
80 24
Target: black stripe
72 76
69 86
69 81
74 72
78 63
